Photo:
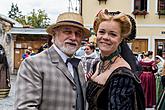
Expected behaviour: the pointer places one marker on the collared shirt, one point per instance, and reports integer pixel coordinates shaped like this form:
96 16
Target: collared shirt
64 58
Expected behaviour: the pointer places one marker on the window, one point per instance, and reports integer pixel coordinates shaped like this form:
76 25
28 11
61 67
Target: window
140 7
101 1
161 7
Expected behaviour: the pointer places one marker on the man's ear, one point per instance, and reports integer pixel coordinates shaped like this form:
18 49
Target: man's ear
54 32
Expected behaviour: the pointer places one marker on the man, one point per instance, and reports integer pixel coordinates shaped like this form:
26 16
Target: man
46 81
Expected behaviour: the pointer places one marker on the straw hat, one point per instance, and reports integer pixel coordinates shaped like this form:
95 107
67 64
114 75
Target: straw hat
71 19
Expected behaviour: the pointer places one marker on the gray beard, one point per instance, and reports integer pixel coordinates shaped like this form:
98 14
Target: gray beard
64 49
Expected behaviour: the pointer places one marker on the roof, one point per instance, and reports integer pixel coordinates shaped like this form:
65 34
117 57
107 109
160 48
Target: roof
28 31
7 19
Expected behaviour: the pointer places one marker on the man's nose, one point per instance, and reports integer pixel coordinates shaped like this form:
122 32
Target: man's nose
73 35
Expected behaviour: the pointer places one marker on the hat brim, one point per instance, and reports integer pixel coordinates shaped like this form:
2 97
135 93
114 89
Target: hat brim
49 30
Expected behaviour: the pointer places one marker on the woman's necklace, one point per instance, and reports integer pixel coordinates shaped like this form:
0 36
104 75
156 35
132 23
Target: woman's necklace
103 66
106 62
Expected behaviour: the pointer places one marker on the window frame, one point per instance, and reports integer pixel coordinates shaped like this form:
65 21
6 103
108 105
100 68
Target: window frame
101 1
140 11
140 5
159 11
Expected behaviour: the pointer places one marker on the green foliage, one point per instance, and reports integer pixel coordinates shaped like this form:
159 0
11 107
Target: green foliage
14 12
37 19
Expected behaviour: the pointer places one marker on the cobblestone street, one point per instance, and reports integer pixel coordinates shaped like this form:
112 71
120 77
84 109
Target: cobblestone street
7 103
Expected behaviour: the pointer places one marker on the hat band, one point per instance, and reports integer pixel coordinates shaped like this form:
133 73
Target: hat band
74 22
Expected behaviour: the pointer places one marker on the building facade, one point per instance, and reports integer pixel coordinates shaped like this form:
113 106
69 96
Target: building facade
22 38
149 16
16 38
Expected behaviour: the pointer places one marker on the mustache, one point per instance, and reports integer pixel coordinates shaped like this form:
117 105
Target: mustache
74 43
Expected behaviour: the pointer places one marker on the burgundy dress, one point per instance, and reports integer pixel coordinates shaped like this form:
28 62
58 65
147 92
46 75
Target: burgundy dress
148 82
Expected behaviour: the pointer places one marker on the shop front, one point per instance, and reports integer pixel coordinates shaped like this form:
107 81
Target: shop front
24 38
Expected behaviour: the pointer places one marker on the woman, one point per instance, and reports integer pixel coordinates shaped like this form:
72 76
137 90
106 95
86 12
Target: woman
148 79
89 59
4 74
159 87
161 101
114 86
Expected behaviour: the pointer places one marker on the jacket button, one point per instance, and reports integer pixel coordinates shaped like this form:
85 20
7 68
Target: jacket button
73 106
74 87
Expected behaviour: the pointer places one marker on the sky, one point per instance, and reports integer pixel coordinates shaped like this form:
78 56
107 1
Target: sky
51 7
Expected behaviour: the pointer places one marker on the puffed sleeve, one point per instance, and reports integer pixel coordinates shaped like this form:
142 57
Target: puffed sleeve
121 93
154 67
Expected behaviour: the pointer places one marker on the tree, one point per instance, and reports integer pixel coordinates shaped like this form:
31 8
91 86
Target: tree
14 12
37 19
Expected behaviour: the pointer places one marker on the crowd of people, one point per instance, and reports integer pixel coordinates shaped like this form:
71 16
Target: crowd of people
111 79
152 79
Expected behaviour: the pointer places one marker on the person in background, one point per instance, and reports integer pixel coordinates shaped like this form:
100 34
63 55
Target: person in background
89 59
80 52
163 77
159 87
50 79
46 45
26 54
4 74
161 101
147 77
43 47
114 85
31 51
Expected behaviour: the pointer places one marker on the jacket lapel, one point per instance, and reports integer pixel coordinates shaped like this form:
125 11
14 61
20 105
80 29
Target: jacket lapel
82 79
59 63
